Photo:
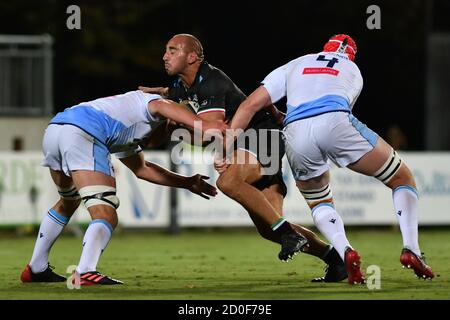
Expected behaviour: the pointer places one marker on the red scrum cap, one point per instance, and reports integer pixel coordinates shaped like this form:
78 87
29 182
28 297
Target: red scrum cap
341 43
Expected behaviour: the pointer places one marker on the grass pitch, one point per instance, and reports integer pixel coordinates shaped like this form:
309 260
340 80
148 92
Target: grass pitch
225 264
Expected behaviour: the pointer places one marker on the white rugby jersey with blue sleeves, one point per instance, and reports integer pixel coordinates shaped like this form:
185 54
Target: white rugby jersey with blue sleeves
315 84
119 122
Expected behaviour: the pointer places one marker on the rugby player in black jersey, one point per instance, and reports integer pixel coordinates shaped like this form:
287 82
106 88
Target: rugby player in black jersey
211 94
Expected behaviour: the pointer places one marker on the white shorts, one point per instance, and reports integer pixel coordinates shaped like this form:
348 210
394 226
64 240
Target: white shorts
337 136
68 148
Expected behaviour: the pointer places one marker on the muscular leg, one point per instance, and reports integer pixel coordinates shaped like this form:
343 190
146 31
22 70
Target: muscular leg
65 207
84 178
236 182
373 160
383 163
104 220
325 217
316 247
404 190
319 198
53 223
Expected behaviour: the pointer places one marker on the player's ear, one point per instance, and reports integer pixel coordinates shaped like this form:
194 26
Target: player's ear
192 57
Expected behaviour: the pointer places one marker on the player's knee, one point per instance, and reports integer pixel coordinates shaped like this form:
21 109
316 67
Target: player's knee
226 184
95 199
69 200
110 217
67 207
113 220
393 170
402 177
313 197
99 195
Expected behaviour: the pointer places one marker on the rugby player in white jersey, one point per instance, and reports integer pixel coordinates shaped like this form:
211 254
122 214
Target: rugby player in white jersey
77 147
321 90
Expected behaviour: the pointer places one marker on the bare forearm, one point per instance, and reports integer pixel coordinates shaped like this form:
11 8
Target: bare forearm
154 173
242 117
255 102
276 114
173 111
273 110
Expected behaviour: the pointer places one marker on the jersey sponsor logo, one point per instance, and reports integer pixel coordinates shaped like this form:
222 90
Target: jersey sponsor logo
329 71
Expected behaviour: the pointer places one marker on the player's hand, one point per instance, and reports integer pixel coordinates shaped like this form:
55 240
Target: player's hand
162 91
279 118
220 165
217 125
198 185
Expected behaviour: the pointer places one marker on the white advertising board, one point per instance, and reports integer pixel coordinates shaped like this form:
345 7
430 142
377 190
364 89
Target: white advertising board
142 204
360 200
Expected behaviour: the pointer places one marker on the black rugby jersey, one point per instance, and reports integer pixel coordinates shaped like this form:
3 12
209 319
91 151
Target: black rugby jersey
213 90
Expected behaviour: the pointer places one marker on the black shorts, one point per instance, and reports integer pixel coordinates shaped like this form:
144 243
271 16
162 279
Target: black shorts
264 140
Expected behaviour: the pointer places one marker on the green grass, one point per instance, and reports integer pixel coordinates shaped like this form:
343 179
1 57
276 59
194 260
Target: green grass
235 264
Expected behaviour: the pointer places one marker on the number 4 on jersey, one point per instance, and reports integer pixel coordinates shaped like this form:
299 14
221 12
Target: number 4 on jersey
328 69
331 62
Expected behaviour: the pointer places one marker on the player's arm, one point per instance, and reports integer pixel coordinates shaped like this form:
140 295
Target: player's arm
255 102
276 114
258 100
162 91
212 116
161 134
178 113
212 106
154 173
272 90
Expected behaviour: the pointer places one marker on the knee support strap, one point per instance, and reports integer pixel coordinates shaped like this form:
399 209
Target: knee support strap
389 168
95 195
68 193
317 195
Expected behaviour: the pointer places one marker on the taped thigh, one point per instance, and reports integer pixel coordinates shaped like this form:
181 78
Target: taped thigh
389 168
99 195
317 195
68 193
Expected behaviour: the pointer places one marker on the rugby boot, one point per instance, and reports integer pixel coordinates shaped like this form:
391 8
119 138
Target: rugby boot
291 244
353 265
45 276
412 261
94 278
335 269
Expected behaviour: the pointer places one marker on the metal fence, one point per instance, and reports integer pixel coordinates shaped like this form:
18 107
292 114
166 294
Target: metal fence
26 75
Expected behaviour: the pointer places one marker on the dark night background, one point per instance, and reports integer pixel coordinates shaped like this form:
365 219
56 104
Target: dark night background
121 43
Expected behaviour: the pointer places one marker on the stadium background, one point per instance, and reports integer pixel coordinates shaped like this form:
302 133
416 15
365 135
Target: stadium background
405 65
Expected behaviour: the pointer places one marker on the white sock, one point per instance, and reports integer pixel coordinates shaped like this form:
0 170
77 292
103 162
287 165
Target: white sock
95 241
51 227
406 204
330 224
